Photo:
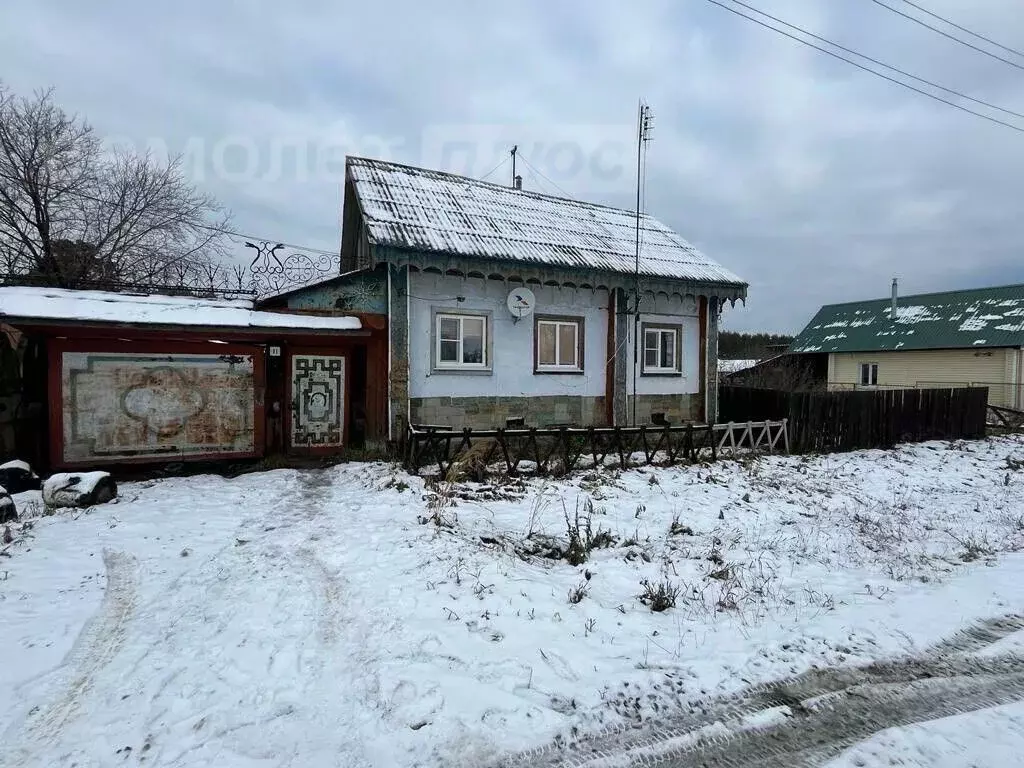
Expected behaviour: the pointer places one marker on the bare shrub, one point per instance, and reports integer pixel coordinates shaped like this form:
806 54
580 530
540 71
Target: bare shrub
659 596
577 593
974 548
678 529
581 536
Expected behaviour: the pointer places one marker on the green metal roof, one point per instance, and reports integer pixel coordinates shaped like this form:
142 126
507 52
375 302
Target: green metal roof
984 317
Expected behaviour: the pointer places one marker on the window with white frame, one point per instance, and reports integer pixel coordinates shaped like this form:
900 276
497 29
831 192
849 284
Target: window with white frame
868 374
460 341
558 345
662 350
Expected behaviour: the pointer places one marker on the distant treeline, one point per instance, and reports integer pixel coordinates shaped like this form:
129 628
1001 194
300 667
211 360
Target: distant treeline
749 346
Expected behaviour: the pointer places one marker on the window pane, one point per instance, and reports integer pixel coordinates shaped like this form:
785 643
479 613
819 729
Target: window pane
449 352
567 344
874 374
668 349
650 340
473 340
545 344
650 358
448 328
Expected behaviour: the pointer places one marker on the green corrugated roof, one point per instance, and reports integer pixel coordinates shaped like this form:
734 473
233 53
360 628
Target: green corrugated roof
984 317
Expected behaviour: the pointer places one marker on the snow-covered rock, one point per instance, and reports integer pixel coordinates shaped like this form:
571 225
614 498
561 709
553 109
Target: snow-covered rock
17 477
8 511
79 489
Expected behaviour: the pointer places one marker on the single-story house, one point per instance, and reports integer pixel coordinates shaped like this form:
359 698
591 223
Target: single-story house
459 303
503 303
957 338
99 378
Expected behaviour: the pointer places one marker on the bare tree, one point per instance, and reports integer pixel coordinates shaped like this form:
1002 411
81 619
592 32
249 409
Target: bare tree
72 214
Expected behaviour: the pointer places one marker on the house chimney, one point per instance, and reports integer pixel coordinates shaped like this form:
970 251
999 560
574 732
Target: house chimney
518 182
895 294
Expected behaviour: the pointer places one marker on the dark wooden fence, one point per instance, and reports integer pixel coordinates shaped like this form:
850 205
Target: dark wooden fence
558 450
821 422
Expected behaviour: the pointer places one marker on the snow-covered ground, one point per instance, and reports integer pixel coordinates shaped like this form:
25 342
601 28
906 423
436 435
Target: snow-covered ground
354 617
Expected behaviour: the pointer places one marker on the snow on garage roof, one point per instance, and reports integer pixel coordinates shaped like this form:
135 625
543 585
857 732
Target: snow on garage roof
415 208
60 304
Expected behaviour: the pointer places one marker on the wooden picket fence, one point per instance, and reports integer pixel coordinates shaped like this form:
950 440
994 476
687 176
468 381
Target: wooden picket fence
558 450
823 422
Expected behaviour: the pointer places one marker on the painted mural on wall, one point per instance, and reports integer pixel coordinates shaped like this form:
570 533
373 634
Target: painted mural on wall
318 389
364 292
125 406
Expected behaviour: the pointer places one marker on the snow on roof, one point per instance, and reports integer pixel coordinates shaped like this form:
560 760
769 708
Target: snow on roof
735 366
415 208
26 303
980 317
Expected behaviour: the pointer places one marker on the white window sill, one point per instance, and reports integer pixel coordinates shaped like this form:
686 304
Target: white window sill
661 372
463 370
558 369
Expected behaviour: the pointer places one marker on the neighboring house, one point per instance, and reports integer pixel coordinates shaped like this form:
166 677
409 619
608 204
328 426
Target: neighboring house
957 338
502 304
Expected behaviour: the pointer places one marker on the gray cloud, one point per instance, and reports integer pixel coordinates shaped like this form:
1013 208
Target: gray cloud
814 181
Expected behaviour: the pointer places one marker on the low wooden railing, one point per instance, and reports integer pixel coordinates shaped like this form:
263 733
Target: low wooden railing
477 453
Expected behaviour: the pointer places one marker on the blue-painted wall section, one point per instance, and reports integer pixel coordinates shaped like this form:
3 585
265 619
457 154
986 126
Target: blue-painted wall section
364 292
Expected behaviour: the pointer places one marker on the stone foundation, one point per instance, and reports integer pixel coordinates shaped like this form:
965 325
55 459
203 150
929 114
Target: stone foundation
678 409
492 412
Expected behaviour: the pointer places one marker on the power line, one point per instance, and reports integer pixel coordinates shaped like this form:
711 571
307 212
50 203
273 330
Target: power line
207 227
988 40
541 174
942 32
491 172
879 63
868 69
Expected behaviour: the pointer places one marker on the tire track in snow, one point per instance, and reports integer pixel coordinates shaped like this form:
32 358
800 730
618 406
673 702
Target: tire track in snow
828 728
654 738
96 645
979 636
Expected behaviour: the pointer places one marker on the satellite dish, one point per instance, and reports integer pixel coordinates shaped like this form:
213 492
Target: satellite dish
521 302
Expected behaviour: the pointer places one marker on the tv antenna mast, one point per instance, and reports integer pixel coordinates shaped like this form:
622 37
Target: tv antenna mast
645 127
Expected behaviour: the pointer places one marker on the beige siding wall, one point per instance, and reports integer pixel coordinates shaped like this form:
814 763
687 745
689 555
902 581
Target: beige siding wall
999 369
1020 380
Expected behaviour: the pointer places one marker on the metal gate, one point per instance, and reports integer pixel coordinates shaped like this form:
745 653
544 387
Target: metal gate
318 401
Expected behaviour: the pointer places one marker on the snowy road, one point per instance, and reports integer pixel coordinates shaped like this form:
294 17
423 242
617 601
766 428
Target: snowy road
324 619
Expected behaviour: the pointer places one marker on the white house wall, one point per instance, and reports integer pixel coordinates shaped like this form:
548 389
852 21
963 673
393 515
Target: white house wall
670 312
511 342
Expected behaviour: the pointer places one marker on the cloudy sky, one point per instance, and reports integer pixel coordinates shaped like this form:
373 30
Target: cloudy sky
814 181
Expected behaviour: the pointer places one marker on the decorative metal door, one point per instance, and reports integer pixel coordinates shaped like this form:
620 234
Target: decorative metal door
318 401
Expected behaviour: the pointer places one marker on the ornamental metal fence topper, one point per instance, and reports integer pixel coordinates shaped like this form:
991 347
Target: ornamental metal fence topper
270 273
